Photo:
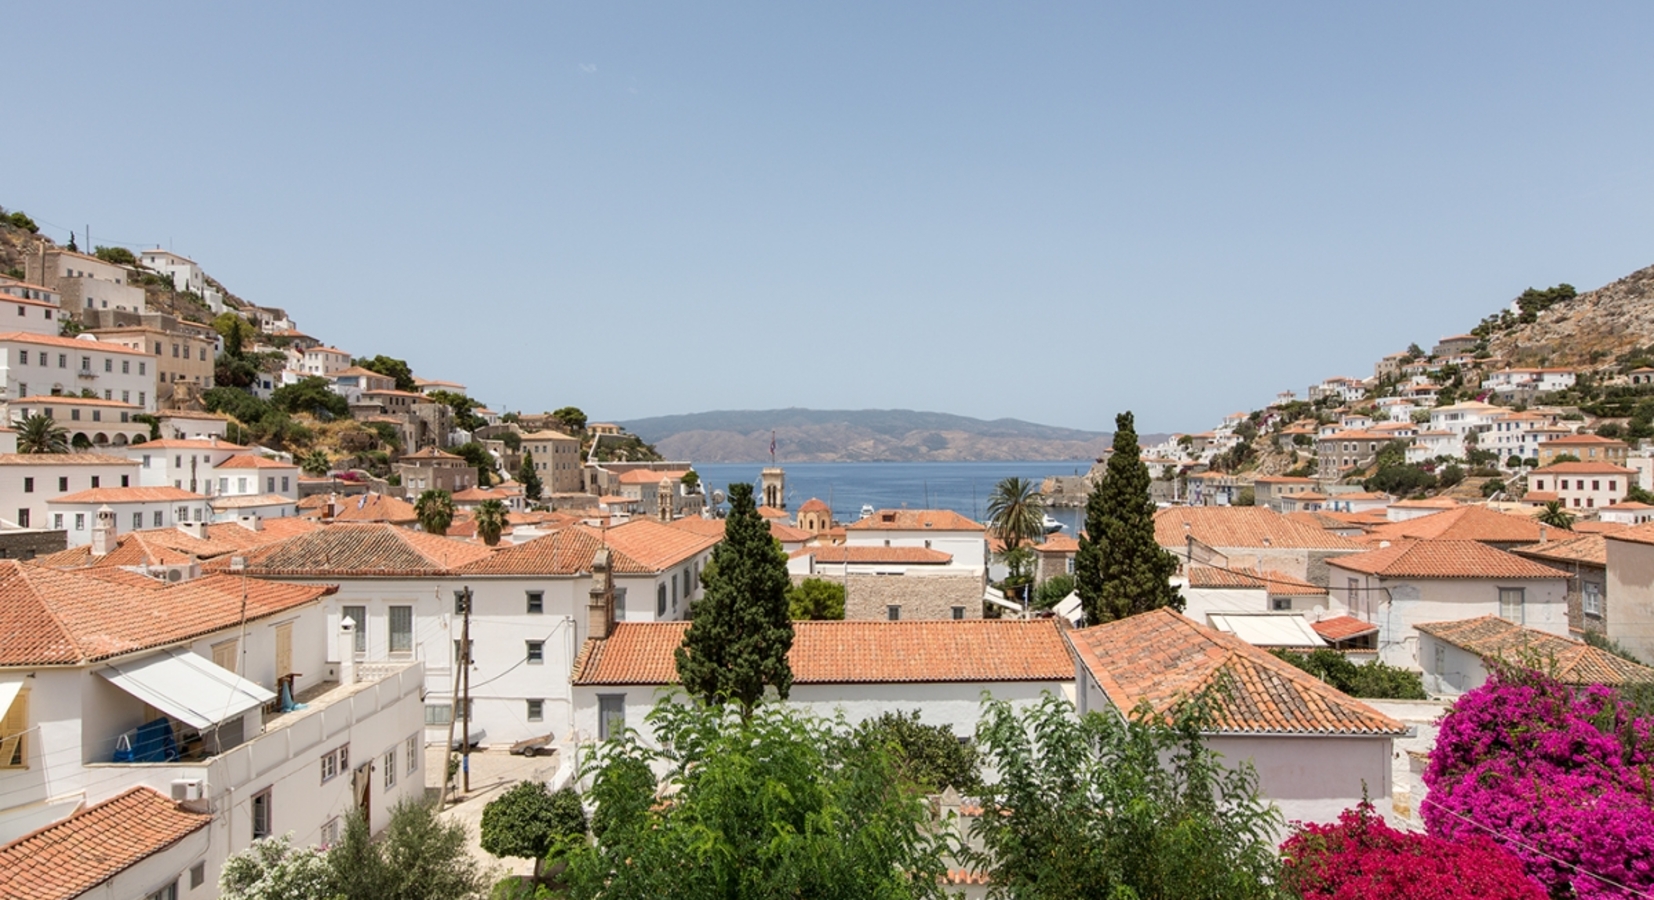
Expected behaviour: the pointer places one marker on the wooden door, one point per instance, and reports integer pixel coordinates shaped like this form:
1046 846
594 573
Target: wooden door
284 649
224 654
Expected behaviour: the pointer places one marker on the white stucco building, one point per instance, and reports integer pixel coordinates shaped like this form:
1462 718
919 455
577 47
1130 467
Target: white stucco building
34 364
29 481
964 541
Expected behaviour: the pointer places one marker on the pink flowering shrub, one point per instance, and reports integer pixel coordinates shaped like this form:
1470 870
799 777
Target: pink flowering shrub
1558 777
1361 858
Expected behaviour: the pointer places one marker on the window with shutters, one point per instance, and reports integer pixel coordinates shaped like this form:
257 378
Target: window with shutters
1510 604
223 654
358 615
401 629
14 733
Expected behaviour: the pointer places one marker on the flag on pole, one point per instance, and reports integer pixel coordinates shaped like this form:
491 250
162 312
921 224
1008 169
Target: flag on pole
772 446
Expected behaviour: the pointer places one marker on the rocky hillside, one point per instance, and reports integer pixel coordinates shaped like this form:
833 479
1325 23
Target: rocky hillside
805 435
1593 329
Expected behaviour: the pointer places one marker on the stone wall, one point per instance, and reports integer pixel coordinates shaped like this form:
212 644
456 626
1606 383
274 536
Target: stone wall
29 543
869 597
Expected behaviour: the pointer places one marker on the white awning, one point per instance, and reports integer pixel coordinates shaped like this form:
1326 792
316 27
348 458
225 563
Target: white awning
9 689
1268 629
187 687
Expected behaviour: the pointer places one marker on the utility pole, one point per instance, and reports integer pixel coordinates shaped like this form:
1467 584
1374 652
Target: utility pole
465 652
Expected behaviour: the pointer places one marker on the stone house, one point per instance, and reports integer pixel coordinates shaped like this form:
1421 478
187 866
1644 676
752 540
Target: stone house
1583 558
431 469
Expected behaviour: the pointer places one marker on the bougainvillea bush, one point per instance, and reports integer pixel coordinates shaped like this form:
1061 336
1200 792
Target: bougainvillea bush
1361 858
1559 777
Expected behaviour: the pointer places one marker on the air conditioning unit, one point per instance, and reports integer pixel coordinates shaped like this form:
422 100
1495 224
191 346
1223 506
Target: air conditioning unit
187 790
180 573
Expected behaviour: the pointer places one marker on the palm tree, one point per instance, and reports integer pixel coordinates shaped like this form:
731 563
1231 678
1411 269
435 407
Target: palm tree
40 433
435 510
1016 512
1556 517
491 517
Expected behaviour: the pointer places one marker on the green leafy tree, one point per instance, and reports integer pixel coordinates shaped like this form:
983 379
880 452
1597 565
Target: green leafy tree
19 219
529 821
776 804
153 421
234 330
491 517
1054 590
389 367
1636 494
1246 496
420 856
313 395
1492 486
1400 480
72 247
120 256
40 433
571 418
533 488
931 757
1120 568
512 441
273 869
1450 475
816 599
1016 512
315 463
478 456
1104 806
1555 516
1563 458
740 630
1375 680
435 511
464 409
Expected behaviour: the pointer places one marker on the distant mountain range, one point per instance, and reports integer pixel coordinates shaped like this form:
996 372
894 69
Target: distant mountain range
862 435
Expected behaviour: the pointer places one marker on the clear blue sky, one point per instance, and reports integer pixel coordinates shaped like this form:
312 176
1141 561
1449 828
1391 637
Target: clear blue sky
1052 212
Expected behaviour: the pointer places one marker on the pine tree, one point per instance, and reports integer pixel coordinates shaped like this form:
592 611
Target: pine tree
740 630
532 487
1120 569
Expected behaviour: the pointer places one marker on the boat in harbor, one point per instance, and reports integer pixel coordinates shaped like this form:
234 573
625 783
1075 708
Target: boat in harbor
1052 526
867 510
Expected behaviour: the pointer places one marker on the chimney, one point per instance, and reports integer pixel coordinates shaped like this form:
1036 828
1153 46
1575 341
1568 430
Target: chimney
347 650
1541 532
103 533
600 605
251 521
197 530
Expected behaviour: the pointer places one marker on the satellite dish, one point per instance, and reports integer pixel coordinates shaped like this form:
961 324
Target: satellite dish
717 496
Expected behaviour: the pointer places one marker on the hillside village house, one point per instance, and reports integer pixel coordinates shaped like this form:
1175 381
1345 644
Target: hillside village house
1207 590
84 515
1454 656
180 463
431 469
1510 381
937 588
1316 751
100 423
1403 510
1409 582
179 357
185 425
29 308
28 482
1499 530
129 705
1627 512
186 275
1455 345
1517 434
1268 490
1579 485
1589 448
324 362
528 604
1583 558
557 461
351 382
34 364
1343 451
940 670
83 282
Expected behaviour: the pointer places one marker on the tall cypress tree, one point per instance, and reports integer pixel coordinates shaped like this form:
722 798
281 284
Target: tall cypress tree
530 479
740 630
1120 570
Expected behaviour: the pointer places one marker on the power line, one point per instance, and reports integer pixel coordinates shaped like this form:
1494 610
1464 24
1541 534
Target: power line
1536 851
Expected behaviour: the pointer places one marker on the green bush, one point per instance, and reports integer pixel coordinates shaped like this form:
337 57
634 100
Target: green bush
1054 590
120 256
930 756
1374 681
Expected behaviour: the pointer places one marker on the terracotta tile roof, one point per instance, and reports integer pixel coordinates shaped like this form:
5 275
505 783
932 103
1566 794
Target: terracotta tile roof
1246 578
1539 496
249 501
360 550
1580 440
375 508
1161 658
1591 549
779 530
128 495
651 476
1582 468
915 520
64 459
1283 479
253 461
787 534
1575 662
171 546
1058 543
47 340
770 512
856 652
72 857
70 400
1636 534
814 504
49 616
1465 523
428 452
565 552
647 546
502 493
359 371
1241 526
557 436
838 554
1444 559
1342 628
1586 526
1428 502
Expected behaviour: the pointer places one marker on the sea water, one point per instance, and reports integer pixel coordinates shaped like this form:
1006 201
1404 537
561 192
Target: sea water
963 487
